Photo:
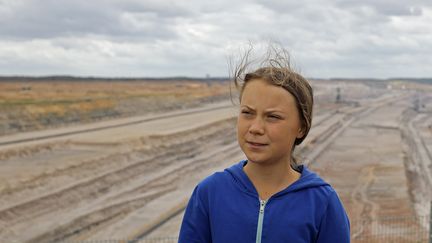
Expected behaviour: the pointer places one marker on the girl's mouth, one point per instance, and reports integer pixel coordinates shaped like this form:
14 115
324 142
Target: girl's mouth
253 144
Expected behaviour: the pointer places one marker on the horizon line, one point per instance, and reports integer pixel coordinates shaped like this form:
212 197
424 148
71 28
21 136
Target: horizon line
189 77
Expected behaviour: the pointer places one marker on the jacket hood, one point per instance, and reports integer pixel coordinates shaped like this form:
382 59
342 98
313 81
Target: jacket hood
307 179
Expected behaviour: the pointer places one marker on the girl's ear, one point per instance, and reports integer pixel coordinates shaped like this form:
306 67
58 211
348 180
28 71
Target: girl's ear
300 133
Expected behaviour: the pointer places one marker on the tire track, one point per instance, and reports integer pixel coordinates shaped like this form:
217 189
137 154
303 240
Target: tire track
327 137
418 164
105 127
124 203
91 189
170 213
361 200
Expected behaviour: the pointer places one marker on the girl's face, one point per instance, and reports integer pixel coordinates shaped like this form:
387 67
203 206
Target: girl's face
268 123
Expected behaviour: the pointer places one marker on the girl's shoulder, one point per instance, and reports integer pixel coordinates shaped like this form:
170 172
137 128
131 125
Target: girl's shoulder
222 181
214 180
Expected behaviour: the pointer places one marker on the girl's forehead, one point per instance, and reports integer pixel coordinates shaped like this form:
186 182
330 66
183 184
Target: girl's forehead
262 95
259 89
263 84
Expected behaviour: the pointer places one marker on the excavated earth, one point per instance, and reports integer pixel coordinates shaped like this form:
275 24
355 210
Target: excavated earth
130 178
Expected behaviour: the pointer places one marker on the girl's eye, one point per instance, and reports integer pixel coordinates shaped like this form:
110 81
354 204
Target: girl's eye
246 114
275 117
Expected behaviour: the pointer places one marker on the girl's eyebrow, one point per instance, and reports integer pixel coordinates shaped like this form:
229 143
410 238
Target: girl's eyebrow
274 110
271 110
246 106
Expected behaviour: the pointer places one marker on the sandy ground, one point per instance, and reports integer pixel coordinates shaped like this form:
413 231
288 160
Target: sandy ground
131 177
32 104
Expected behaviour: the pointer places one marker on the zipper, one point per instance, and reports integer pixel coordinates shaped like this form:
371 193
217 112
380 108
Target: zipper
260 220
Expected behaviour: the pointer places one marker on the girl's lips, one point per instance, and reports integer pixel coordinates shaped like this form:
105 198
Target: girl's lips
256 144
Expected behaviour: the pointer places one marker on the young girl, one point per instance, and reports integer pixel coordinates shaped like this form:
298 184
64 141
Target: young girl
267 198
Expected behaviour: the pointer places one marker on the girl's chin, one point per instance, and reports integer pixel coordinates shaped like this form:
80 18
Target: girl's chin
255 160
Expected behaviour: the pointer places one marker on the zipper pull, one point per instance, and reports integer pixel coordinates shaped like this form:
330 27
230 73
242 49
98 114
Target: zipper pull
262 205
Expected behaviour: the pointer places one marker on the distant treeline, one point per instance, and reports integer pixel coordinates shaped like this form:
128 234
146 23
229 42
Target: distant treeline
181 78
418 80
103 79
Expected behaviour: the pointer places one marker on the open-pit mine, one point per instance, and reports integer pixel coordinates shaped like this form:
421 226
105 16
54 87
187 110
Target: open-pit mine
118 160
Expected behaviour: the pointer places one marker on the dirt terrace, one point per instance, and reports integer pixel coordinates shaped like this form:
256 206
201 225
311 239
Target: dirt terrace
131 177
29 104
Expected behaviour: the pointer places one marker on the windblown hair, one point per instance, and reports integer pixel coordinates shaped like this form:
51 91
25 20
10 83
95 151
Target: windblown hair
276 69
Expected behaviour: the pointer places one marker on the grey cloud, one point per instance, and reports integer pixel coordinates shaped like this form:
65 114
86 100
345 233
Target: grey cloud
134 19
388 7
283 7
163 9
191 37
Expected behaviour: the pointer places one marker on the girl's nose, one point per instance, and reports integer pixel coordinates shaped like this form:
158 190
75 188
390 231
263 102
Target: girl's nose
257 127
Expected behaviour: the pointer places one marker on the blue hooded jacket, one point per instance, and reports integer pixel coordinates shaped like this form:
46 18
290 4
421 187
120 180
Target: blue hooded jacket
225 207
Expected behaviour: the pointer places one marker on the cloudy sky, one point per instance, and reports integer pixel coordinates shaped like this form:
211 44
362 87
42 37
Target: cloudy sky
161 38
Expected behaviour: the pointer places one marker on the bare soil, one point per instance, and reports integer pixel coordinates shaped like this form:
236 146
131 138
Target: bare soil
131 177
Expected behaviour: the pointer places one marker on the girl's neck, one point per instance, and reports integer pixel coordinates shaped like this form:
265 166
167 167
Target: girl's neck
269 179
